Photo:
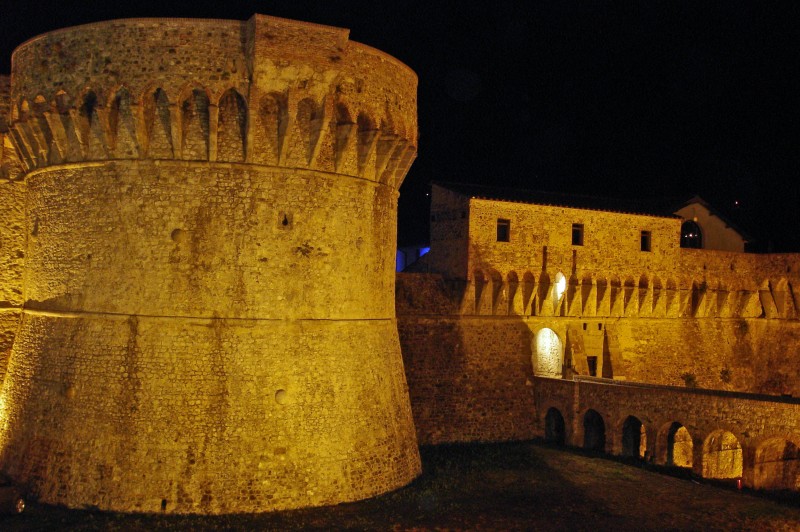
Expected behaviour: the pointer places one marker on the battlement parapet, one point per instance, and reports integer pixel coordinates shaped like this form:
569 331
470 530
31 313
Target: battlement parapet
595 295
268 91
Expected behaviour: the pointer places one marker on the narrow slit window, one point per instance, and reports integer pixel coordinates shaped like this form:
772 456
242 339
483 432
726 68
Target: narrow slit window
645 241
503 230
577 234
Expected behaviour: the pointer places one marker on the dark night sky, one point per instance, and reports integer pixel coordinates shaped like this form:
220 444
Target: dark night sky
611 99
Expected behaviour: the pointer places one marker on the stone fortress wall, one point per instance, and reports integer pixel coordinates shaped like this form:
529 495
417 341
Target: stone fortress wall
194 227
671 316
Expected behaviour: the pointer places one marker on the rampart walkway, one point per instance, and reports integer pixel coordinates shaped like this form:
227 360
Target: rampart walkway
717 434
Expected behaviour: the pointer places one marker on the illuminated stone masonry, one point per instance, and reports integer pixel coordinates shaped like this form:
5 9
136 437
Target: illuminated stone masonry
514 297
206 313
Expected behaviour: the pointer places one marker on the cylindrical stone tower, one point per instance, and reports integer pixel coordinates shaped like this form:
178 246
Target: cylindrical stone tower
210 215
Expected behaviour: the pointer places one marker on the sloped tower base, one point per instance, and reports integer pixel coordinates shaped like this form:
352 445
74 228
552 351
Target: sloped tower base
206 416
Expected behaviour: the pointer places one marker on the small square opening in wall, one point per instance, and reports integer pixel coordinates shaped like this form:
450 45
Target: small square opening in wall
645 241
503 230
285 220
577 234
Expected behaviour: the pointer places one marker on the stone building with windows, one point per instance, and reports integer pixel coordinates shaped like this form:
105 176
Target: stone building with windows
526 287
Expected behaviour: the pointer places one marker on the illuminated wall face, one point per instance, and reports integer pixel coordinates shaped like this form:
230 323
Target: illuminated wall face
559 287
682 448
722 457
548 354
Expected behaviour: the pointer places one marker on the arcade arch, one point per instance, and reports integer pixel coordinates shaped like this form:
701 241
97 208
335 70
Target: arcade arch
548 354
722 456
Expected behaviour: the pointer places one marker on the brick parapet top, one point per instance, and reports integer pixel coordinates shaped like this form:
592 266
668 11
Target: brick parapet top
213 22
581 379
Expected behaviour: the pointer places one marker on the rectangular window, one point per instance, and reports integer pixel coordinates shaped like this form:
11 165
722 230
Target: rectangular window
577 234
503 230
645 241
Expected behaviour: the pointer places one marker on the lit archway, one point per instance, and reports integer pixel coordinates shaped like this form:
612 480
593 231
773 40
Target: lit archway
680 448
722 455
548 354
594 431
554 431
634 438
777 465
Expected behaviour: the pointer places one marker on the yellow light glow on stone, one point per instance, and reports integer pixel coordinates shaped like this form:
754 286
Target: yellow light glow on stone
548 354
560 286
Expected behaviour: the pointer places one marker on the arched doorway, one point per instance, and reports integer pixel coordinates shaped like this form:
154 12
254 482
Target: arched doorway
554 427
722 456
691 235
777 465
548 354
634 438
594 432
679 446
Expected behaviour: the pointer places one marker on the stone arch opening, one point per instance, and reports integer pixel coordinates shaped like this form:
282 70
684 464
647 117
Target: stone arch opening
777 465
497 289
195 125
62 103
158 124
679 446
594 432
544 289
602 292
272 123
691 235
559 288
479 281
634 438
616 296
232 127
554 427
89 106
40 105
91 127
548 357
367 134
657 293
309 122
528 299
122 125
630 288
722 455
512 289
644 284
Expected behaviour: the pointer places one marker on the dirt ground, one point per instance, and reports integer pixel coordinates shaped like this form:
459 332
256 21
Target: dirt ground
508 486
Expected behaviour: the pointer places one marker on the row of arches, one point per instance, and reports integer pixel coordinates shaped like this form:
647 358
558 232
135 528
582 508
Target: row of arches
773 463
277 129
490 293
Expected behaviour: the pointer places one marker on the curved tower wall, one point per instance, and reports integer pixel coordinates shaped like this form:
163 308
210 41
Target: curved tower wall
209 288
